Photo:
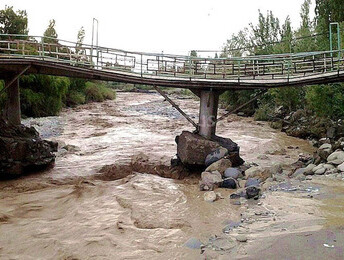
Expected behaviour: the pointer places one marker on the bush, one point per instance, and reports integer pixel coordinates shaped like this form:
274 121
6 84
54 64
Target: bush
75 98
98 92
326 100
263 113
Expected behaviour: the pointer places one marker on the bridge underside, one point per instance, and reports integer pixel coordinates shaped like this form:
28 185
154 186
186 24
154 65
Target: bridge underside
10 66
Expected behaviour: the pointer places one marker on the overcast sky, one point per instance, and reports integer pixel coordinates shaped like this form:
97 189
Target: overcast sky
175 26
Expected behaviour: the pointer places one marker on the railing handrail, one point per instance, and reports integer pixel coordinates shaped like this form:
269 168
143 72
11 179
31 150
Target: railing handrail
279 56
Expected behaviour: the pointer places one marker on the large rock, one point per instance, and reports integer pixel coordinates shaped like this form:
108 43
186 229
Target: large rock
336 158
209 196
216 155
220 166
340 167
263 173
324 151
210 180
22 150
234 173
193 149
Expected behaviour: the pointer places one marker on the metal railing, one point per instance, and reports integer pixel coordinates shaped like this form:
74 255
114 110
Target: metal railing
143 64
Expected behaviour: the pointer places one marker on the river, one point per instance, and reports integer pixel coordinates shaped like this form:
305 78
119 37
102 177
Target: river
70 212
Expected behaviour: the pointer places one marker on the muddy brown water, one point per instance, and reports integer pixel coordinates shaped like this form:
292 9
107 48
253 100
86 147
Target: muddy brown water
64 213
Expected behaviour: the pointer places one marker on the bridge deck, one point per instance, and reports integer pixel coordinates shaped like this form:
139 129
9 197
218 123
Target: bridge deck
48 67
52 56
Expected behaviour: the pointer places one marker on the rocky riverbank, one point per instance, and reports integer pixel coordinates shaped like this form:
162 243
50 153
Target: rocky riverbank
23 151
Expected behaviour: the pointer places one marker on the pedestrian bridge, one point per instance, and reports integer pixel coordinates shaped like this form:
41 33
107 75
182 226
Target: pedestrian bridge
44 55
206 77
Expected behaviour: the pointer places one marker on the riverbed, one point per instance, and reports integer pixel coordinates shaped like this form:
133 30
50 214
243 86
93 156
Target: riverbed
67 213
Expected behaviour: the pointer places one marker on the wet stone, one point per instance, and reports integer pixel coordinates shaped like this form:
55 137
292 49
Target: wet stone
229 183
193 243
232 173
241 238
216 155
252 182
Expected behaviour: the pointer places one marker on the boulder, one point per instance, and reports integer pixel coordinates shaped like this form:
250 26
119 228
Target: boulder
319 170
263 173
340 167
220 165
252 182
234 173
193 243
309 169
336 158
193 149
210 180
324 151
216 155
23 151
229 183
252 192
209 196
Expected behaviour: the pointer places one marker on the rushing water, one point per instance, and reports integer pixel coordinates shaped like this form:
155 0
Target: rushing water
63 213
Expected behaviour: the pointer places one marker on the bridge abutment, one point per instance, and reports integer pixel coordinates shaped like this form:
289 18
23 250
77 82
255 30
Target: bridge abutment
12 112
209 102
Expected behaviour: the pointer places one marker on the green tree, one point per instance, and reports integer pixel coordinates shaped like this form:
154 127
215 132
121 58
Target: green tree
80 41
12 22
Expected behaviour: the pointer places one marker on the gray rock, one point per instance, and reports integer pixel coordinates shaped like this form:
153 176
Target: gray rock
309 169
209 196
241 238
299 171
319 170
229 183
210 180
324 151
340 167
336 158
252 182
232 173
220 165
193 243
192 149
216 155
252 192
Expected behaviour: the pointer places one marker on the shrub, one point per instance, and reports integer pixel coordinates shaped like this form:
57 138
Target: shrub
98 92
75 98
326 100
263 113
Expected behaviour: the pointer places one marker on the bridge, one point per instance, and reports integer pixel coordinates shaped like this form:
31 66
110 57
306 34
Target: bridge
206 77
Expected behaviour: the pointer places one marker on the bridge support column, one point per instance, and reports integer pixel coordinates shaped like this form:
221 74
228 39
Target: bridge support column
12 111
208 112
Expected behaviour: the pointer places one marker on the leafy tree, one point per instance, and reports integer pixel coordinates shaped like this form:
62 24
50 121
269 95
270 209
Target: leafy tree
329 11
12 22
80 41
50 32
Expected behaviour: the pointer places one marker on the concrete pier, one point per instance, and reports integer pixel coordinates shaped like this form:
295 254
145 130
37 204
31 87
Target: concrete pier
209 101
12 111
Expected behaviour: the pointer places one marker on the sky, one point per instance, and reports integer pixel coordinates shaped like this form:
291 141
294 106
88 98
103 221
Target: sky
173 27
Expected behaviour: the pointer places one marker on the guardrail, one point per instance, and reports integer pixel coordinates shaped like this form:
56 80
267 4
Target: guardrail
279 66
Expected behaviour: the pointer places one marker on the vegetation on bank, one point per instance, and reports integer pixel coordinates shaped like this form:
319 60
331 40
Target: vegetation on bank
269 36
43 95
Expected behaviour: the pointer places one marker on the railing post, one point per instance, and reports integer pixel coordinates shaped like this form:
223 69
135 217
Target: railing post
42 41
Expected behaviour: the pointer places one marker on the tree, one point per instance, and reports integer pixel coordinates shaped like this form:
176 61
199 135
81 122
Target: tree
50 33
80 40
265 33
12 22
329 11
